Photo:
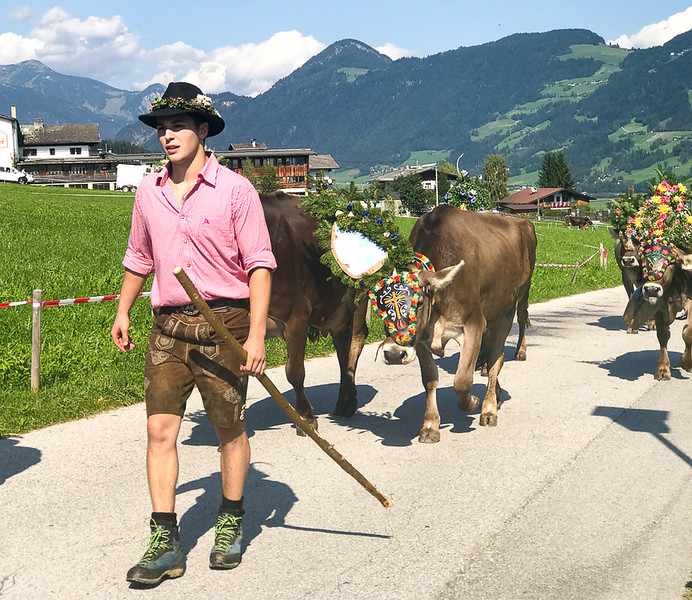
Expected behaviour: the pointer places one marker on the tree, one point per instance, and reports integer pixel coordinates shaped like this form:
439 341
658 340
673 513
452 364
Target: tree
248 170
414 198
555 172
495 177
267 180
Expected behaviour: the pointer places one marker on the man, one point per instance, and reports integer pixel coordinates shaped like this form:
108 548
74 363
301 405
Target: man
207 219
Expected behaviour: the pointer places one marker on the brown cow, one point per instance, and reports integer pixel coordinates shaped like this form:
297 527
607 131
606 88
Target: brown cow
580 222
306 296
627 258
667 289
484 263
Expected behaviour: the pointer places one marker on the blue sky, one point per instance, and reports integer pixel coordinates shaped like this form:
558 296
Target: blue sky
245 46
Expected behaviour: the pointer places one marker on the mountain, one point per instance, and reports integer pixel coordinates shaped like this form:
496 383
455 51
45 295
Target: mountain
41 93
613 112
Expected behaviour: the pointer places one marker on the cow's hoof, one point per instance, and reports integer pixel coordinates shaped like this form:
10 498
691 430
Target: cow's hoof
301 433
686 363
662 375
520 356
488 421
429 436
630 330
469 404
346 408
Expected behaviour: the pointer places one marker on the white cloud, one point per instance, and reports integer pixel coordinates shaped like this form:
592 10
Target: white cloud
21 13
14 48
394 52
251 69
103 48
657 34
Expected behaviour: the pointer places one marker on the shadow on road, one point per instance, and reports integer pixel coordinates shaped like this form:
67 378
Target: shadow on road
633 365
642 421
16 458
268 502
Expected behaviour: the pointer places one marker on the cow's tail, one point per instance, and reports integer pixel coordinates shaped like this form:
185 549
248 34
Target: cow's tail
313 333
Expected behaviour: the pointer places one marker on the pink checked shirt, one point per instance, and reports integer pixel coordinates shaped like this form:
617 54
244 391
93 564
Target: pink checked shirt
218 236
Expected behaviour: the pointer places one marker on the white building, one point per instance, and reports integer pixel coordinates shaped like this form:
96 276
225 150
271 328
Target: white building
9 139
59 141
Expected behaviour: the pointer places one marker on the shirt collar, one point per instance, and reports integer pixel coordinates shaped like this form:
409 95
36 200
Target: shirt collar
208 174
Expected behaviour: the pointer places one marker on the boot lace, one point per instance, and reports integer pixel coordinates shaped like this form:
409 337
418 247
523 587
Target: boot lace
157 541
227 528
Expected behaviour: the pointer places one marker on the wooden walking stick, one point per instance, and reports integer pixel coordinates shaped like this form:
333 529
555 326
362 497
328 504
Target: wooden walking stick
292 413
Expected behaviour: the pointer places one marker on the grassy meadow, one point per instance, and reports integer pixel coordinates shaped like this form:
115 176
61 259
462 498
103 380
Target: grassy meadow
70 243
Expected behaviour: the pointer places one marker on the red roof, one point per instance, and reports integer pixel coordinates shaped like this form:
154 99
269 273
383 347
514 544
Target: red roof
529 196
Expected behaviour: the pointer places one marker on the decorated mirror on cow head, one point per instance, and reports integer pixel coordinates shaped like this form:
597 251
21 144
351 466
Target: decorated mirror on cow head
657 256
356 254
396 300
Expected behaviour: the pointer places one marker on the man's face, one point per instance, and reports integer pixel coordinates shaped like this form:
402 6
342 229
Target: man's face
180 136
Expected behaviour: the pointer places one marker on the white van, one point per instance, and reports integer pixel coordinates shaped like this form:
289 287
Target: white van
12 175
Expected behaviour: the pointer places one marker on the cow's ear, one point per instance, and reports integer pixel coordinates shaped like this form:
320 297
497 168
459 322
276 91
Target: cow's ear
685 261
439 280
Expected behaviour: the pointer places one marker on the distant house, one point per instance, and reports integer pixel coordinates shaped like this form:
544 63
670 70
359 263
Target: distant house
429 176
9 138
526 201
321 163
292 164
59 141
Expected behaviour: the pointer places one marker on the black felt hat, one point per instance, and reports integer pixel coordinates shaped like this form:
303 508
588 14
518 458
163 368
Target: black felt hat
181 97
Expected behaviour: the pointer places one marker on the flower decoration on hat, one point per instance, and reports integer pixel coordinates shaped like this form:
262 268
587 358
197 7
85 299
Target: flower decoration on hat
201 103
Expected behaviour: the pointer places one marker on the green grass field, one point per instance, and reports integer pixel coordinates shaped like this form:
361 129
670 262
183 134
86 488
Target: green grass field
70 243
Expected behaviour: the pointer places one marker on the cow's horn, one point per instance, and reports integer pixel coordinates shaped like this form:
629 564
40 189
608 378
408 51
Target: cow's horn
685 261
439 280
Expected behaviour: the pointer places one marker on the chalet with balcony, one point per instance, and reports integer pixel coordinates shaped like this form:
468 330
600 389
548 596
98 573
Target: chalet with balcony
526 201
293 165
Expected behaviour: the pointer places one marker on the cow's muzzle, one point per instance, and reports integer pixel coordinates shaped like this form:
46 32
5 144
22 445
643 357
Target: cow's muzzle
652 292
629 261
394 354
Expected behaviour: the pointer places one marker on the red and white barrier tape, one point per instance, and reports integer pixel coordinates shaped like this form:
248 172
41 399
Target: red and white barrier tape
66 302
572 266
554 265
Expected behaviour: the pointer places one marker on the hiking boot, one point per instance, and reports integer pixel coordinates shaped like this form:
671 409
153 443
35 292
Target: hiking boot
227 542
164 556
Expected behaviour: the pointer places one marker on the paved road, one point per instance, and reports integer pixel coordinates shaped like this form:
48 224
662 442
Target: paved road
582 491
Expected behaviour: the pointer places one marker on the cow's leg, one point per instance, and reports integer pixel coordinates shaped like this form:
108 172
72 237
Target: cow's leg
523 319
494 345
469 348
686 360
430 432
296 334
663 335
348 352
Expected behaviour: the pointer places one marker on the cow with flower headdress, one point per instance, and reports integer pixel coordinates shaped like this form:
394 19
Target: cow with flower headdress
483 264
663 225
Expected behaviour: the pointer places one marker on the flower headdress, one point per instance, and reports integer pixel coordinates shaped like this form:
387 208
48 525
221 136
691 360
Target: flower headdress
367 217
665 215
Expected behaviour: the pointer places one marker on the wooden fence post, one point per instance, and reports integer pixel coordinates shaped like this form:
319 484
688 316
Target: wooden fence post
36 341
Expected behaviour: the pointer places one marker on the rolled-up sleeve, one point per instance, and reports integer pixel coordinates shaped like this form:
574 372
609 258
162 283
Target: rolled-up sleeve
251 232
138 256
